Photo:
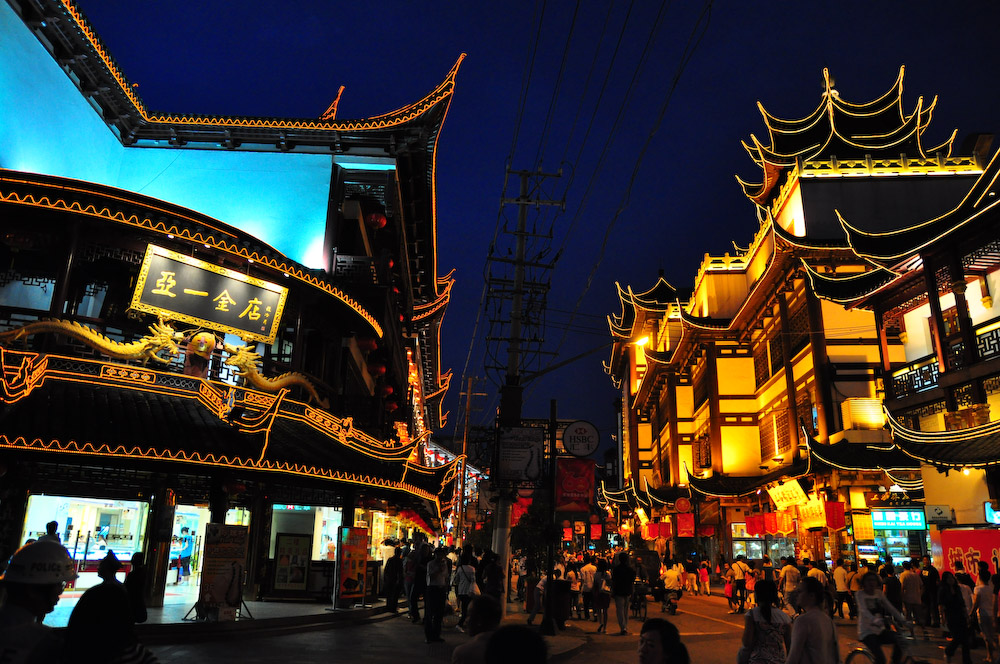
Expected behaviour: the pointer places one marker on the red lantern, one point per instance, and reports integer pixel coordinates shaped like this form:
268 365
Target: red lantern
376 369
391 406
367 345
376 220
387 390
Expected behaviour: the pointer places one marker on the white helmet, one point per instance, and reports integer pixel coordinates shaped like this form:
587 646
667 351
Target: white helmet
40 563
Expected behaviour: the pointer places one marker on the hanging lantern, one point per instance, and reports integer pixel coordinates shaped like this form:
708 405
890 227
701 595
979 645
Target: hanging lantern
391 406
376 220
376 369
387 390
402 318
367 345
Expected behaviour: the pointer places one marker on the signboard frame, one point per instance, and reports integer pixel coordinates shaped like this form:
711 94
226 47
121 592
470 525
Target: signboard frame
520 450
221 279
296 550
224 553
584 438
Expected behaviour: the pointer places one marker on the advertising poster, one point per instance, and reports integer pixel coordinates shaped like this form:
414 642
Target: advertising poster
353 551
970 546
520 453
223 558
574 485
291 561
518 509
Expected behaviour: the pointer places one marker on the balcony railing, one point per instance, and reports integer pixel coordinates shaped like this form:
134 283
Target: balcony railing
915 377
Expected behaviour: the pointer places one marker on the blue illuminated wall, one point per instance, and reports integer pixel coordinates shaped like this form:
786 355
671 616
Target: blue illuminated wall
47 126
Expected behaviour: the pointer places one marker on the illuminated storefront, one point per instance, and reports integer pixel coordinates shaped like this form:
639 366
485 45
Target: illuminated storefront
252 341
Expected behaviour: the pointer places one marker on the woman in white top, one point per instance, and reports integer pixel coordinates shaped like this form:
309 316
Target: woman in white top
874 614
814 636
465 578
984 603
766 629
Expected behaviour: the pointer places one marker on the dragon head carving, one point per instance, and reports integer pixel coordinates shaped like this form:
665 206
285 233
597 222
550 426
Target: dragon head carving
161 337
243 358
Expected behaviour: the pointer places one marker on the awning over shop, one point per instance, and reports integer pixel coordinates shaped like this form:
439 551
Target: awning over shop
973 447
418 521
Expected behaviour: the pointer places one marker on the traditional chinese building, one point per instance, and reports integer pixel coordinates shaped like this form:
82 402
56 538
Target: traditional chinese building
211 319
929 279
761 397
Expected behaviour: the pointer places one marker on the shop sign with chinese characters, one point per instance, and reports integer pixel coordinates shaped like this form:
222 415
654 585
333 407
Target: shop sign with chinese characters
787 494
187 289
813 514
901 519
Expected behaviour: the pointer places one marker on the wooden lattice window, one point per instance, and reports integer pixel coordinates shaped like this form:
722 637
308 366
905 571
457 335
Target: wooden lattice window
760 372
776 356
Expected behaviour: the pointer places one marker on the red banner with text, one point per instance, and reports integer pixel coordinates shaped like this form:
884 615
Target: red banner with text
685 525
574 485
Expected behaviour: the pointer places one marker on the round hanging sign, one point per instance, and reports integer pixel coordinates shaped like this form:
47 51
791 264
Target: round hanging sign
581 438
682 504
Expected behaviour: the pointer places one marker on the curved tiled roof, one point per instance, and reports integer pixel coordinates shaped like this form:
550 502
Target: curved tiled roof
842 129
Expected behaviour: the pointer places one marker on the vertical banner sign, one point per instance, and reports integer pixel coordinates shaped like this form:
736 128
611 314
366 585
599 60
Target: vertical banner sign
685 525
595 531
574 485
292 552
223 559
353 552
863 530
520 451
567 534
971 546
770 523
835 519
755 525
785 522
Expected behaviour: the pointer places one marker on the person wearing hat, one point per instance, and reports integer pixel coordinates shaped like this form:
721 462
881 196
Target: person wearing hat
34 579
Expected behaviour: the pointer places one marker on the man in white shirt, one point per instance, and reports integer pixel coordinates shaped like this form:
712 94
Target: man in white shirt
587 573
789 578
739 571
843 589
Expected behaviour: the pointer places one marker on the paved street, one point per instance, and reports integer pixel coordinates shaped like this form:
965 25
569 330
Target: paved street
711 635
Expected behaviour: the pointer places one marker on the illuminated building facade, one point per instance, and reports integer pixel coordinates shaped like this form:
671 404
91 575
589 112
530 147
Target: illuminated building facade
761 397
210 318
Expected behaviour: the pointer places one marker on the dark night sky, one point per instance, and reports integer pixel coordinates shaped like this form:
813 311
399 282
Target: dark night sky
288 60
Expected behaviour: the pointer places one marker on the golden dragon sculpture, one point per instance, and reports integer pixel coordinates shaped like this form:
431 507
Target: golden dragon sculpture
245 361
161 337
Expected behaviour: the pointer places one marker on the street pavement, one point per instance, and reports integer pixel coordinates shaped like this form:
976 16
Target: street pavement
711 635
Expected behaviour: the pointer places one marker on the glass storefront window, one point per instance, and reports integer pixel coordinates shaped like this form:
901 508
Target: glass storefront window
89 528
321 523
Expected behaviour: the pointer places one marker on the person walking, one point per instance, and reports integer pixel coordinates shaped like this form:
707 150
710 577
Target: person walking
436 594
912 592
930 576
622 584
703 578
411 580
393 576
984 610
766 628
739 572
465 579
135 586
587 573
814 635
843 588
789 579
875 613
602 595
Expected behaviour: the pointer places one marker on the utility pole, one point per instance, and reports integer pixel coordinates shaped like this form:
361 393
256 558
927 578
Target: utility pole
465 459
511 391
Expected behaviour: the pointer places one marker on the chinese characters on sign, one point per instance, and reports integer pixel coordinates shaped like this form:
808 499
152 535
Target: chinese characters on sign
787 494
813 514
901 519
194 291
